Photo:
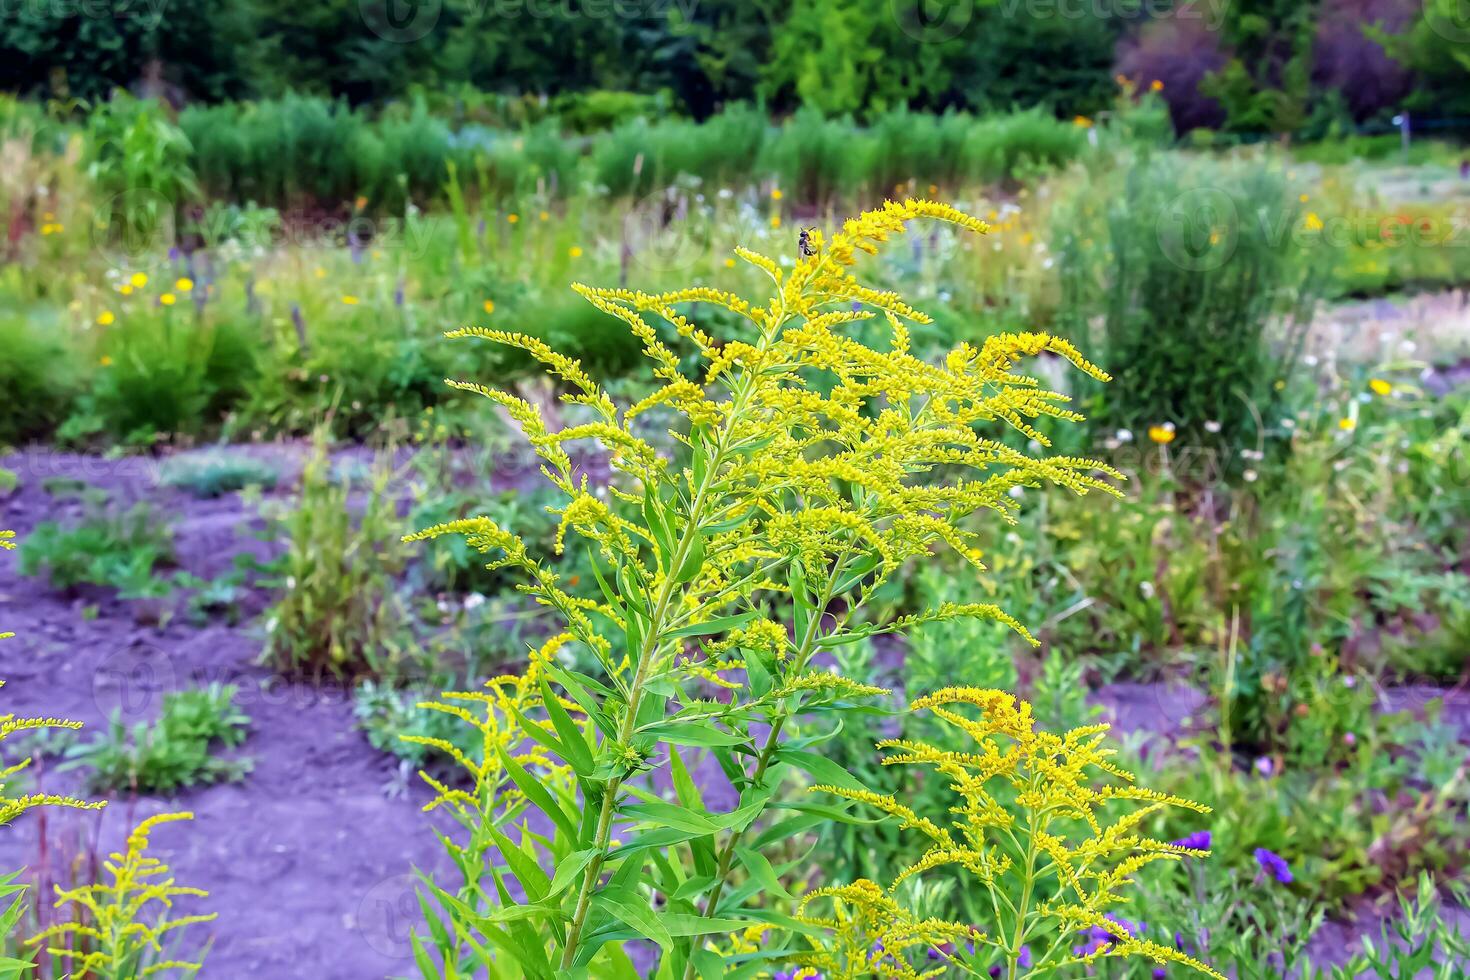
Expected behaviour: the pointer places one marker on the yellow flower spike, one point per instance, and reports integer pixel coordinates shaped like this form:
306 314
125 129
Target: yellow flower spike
1049 780
127 919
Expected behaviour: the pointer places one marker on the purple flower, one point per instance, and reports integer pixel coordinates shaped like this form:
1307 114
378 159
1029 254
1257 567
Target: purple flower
1160 973
1274 865
1197 841
942 951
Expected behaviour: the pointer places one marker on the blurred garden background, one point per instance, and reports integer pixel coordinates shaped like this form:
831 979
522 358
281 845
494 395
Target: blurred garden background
235 231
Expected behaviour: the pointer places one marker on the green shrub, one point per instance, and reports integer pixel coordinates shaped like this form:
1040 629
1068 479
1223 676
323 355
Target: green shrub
111 548
38 375
164 368
216 474
1187 265
173 753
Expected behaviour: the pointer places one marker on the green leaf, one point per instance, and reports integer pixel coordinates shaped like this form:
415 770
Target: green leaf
819 766
632 909
701 732
569 868
575 751
537 794
720 624
693 560
760 869
671 815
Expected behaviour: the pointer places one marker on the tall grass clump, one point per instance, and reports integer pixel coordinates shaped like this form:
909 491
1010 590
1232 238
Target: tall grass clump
1188 277
809 470
339 614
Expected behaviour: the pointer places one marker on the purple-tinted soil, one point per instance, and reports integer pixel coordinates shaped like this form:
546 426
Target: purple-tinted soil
310 859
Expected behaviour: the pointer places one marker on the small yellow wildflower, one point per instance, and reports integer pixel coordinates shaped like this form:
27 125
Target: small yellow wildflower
126 289
1156 86
1380 387
1313 222
52 228
167 299
1162 434
184 284
1347 423
544 216
105 318
105 361
775 221
1082 122
349 300
319 272
1304 198
138 279
489 305
729 263
513 218
775 193
575 251
360 203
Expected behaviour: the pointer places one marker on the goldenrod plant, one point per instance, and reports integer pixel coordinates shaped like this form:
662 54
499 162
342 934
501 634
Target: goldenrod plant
1035 828
124 928
13 806
812 467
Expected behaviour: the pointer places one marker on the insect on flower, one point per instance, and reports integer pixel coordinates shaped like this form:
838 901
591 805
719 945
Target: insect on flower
804 242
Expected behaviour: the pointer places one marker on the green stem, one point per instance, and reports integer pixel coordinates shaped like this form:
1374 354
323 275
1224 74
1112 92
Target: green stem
645 662
768 751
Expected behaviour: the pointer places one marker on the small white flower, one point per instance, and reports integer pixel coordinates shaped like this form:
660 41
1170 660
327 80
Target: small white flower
1250 476
1123 435
474 600
1017 492
1146 588
1211 426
